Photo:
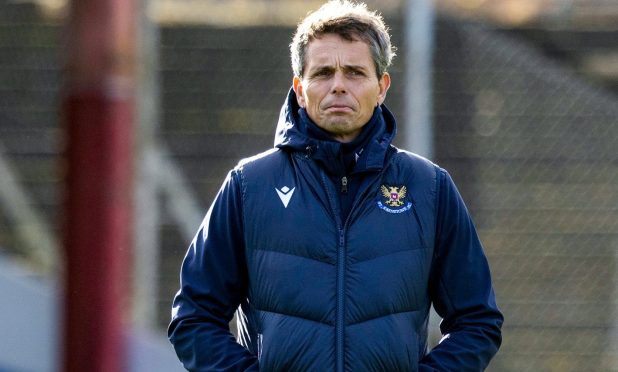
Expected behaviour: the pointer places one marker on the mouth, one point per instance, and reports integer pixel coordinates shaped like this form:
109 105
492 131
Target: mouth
339 108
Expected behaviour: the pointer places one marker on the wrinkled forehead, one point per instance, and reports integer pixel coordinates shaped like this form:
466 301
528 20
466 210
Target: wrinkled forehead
332 48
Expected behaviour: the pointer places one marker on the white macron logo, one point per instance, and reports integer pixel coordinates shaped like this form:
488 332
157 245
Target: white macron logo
285 194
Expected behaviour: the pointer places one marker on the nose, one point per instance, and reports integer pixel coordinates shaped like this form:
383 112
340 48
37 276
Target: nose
338 83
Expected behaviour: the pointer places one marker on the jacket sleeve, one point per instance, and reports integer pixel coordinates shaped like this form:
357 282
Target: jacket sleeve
461 290
213 281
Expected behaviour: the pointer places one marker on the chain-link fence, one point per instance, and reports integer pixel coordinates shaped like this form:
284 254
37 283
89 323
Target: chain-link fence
533 149
29 134
531 144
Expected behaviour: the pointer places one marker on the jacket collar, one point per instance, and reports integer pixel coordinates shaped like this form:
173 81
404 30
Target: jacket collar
296 132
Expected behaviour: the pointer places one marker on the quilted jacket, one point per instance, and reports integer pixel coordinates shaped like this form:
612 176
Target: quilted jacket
318 292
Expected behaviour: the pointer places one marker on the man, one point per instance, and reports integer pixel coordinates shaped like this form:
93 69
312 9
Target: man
334 244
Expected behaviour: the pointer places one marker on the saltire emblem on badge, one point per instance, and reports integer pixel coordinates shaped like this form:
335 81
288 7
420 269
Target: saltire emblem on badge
394 202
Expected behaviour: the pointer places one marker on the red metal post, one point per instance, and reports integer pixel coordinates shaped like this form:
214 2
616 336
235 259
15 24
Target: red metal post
97 112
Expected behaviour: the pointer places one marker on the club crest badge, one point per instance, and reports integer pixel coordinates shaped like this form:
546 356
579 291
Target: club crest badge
395 199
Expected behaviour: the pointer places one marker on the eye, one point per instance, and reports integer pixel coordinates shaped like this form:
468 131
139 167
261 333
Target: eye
320 74
355 73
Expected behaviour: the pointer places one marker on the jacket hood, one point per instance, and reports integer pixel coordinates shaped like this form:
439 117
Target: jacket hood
292 134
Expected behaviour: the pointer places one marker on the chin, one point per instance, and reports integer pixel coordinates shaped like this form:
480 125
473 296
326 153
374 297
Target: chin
339 128
339 122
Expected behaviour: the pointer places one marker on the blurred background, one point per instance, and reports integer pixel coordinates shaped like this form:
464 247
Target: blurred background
519 104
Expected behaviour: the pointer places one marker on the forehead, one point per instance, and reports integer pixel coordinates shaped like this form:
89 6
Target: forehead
333 49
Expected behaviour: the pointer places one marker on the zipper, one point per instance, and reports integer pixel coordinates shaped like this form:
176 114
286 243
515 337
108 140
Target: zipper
340 300
339 317
344 185
341 258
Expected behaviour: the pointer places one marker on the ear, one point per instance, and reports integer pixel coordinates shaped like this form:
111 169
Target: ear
384 83
297 85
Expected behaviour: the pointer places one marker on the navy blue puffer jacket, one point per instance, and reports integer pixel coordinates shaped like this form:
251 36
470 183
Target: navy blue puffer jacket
317 292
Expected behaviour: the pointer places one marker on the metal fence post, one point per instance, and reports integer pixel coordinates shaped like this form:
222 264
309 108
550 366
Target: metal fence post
419 41
147 201
97 110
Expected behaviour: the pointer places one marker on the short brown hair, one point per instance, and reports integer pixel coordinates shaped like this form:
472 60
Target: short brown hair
352 21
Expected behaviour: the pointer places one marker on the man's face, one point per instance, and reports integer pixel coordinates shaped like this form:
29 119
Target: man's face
339 88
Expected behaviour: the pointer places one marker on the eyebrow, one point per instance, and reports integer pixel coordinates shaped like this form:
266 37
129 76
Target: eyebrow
355 67
331 68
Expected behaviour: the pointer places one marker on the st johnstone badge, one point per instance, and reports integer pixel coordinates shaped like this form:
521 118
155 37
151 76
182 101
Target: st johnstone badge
394 202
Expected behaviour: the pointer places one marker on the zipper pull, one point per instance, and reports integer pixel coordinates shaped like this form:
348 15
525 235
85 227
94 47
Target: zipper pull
344 185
